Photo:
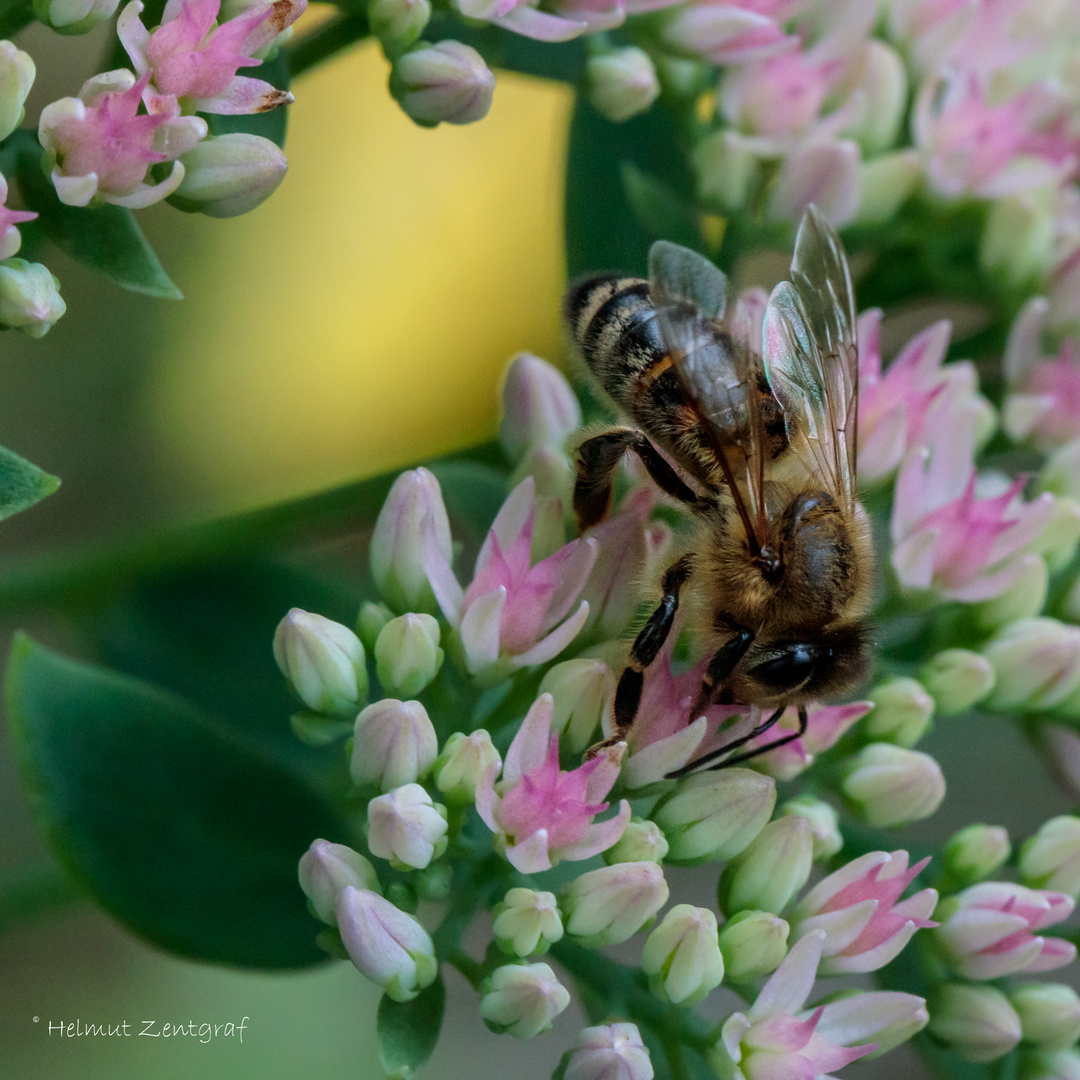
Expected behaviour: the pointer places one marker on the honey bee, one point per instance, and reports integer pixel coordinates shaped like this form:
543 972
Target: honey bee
779 576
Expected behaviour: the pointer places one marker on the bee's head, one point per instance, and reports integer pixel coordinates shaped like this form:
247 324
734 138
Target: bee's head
793 673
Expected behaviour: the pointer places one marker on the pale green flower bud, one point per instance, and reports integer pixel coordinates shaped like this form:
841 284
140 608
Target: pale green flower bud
609 1052
527 923
228 175
1037 664
957 679
880 81
975 853
391 948
1018 240
413 507
891 785
714 815
725 168
1051 858
323 660
394 743
369 623
522 999
465 758
583 691
682 955
1050 1065
977 1022
327 869
902 712
74 16
641 841
753 943
1021 600
609 905
771 870
1060 474
824 824
29 297
1058 541
1049 1014
406 827
16 77
622 83
407 654
447 81
887 181
398 23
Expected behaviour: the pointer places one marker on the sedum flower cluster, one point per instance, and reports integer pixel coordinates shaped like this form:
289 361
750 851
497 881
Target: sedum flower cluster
467 698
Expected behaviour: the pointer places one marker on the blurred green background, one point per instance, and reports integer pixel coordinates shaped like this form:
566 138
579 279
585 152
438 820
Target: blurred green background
356 322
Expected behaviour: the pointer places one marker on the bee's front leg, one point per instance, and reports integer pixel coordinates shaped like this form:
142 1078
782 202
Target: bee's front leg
596 461
720 668
644 651
695 766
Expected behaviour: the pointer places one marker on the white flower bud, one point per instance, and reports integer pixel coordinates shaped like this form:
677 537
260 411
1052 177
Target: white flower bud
1058 541
902 712
527 922
465 758
369 623
957 679
323 660
1051 858
228 175
1049 1014
391 948
622 83
682 955
609 1052
887 181
406 827
394 743
1018 239
16 77
447 81
1037 664
891 785
583 691
753 943
975 852
29 297
413 505
74 16
880 83
609 905
326 869
771 870
407 654
522 999
539 407
715 815
641 841
824 824
977 1022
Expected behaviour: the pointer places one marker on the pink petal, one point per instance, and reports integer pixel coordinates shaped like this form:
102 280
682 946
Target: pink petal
550 647
1055 953
790 984
480 630
133 35
245 95
487 801
599 836
530 745
444 585
510 521
531 855
541 26
571 571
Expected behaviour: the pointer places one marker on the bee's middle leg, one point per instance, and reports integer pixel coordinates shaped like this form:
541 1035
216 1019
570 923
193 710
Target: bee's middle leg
596 461
724 751
644 651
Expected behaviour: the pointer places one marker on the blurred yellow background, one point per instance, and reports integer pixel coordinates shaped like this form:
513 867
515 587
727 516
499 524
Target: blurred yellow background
360 319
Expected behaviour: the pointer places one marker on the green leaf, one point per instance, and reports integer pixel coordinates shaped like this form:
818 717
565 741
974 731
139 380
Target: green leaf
409 1030
270 125
21 484
184 833
105 238
659 210
14 15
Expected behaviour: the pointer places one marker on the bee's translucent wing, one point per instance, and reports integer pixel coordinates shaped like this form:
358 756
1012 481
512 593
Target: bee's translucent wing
812 357
719 374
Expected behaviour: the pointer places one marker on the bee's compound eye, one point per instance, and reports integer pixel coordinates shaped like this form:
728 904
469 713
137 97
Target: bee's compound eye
788 670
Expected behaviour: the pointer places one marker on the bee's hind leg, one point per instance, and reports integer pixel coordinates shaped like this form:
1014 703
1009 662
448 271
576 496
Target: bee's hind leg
596 461
644 651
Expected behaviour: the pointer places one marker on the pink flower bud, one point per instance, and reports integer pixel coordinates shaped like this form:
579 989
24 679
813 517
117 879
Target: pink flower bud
391 948
406 827
327 869
540 409
522 999
1037 664
394 743
957 679
447 81
609 1052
